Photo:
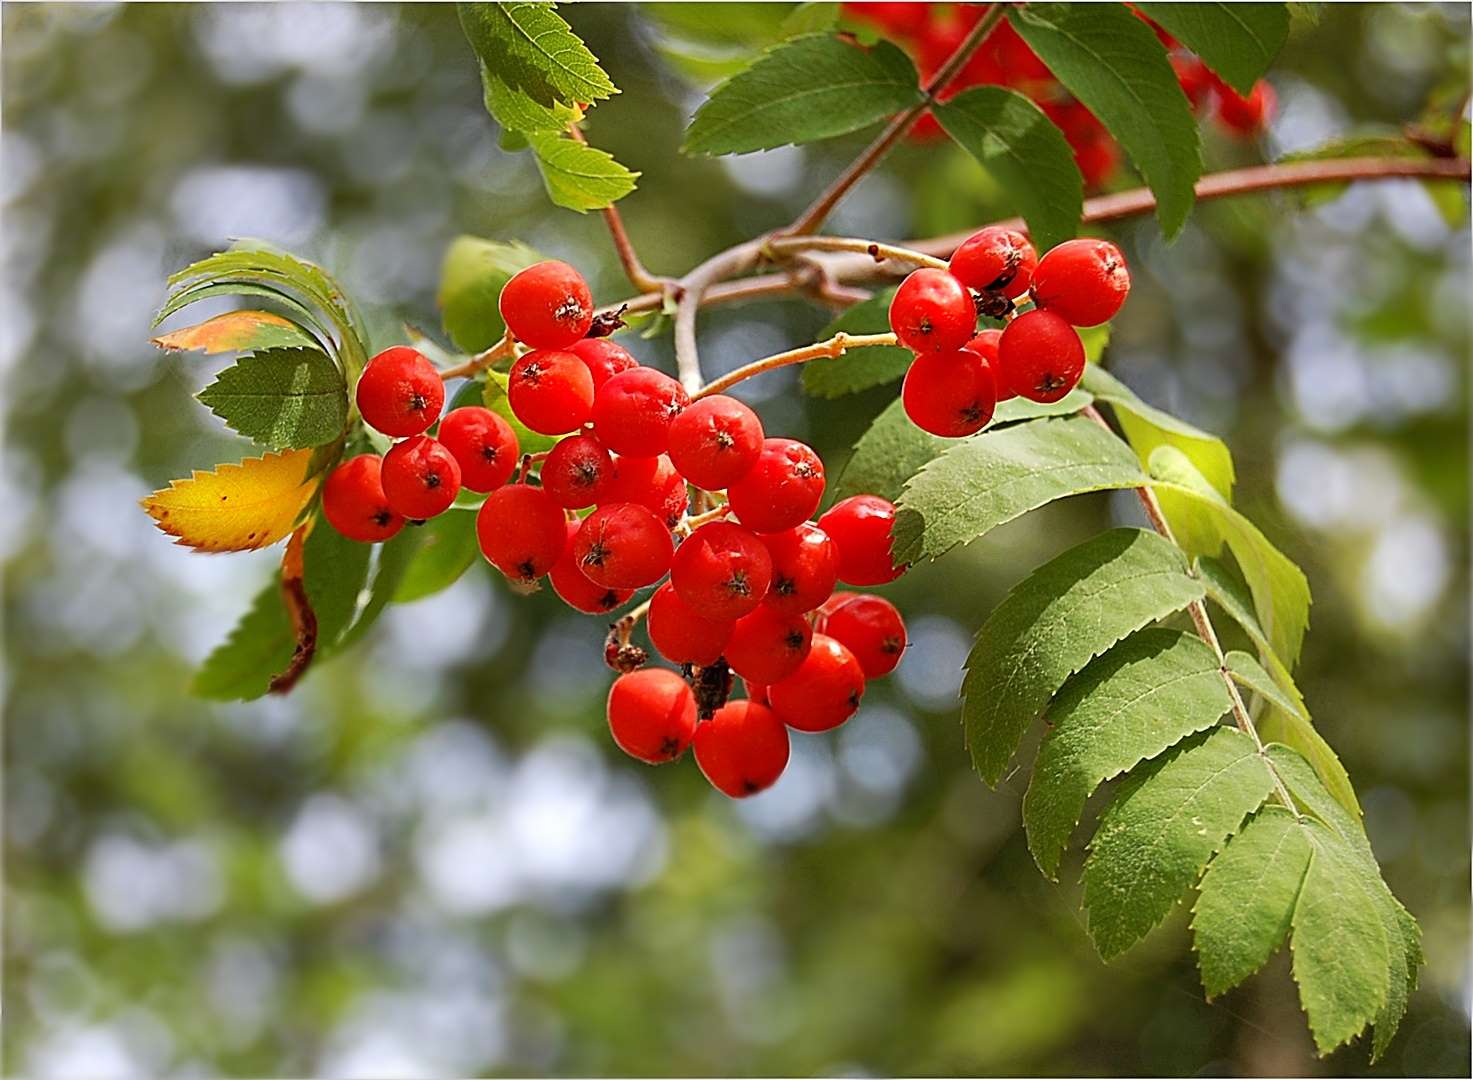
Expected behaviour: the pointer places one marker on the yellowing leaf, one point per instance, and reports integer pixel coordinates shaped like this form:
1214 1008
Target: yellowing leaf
237 331
236 507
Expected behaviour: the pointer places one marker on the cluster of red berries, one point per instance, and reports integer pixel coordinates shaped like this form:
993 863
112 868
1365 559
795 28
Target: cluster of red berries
751 582
959 375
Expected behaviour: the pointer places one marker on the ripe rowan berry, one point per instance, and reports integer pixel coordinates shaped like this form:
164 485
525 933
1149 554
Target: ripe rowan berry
1246 116
742 749
421 478
550 391
721 570
353 501
522 531
932 312
781 490
633 409
577 471
768 645
623 546
715 441
682 635
1194 76
805 566
823 692
950 394
1083 281
574 588
667 494
985 346
871 628
484 445
862 528
652 714
995 259
547 306
1041 356
756 692
604 358
400 393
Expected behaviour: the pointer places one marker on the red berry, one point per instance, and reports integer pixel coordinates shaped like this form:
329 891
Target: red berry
623 546
577 471
715 441
995 259
823 692
756 692
985 346
768 645
547 306
721 570
1083 281
353 501
1194 77
781 490
604 358
1041 356
681 635
574 588
932 312
871 628
652 714
742 749
805 566
483 444
400 393
669 495
632 480
633 410
1246 116
550 391
950 394
522 531
421 478
862 528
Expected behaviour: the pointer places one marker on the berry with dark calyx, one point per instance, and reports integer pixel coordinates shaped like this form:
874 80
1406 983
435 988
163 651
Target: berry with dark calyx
805 566
1082 281
768 645
400 393
932 312
721 570
623 546
781 490
522 531
825 690
604 358
483 444
715 441
574 588
421 478
550 391
862 528
742 749
547 306
871 628
985 346
577 471
682 635
633 410
1041 356
652 715
353 501
711 683
950 394
995 259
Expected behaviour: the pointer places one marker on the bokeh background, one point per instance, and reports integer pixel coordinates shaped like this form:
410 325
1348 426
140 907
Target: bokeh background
430 859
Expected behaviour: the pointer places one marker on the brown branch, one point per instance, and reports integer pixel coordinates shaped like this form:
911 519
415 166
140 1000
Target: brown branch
691 291
837 345
482 360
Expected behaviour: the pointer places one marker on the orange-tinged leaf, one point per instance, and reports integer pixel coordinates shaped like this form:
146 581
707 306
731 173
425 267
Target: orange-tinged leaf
237 331
236 507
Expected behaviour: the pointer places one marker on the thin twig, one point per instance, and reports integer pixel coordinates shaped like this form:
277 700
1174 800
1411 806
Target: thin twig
837 345
482 360
692 289
634 270
879 252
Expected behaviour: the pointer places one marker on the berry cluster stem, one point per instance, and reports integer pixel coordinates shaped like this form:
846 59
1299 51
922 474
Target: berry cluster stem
787 245
835 346
482 360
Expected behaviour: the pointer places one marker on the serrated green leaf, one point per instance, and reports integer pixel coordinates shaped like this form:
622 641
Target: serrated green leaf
281 398
534 52
809 88
471 279
518 113
207 290
578 176
858 369
1054 622
390 568
494 397
1112 62
986 480
1238 41
1250 674
239 331
447 550
1137 700
1024 152
1168 819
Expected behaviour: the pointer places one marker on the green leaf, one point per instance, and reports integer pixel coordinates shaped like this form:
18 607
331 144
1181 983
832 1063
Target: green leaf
281 398
534 52
1025 153
1053 623
858 369
1238 41
390 569
811 87
986 480
1249 674
1111 61
471 279
578 176
207 290
495 399
447 549
1247 896
1137 700
518 113
1167 821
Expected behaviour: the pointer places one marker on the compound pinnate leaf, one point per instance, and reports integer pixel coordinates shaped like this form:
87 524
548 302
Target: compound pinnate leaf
858 369
1238 41
578 176
1137 700
281 398
534 52
811 87
471 279
1168 819
1068 611
236 507
238 331
447 549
